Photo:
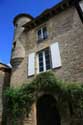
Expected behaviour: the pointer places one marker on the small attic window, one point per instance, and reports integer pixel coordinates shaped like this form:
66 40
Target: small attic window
14 45
16 25
42 33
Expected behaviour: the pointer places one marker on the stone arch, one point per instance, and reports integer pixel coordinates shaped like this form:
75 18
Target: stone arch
47 111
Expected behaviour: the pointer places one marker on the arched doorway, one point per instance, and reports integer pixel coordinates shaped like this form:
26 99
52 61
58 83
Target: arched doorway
47 113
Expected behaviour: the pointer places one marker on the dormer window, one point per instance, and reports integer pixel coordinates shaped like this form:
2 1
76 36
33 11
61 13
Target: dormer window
14 46
42 33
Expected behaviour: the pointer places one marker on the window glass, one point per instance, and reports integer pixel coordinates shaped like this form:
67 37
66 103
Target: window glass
44 60
47 59
14 44
44 33
39 34
41 65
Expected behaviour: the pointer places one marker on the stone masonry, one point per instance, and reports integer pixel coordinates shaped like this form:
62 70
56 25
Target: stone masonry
4 82
65 28
64 25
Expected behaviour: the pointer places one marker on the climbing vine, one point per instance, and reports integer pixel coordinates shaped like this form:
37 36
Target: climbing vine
20 100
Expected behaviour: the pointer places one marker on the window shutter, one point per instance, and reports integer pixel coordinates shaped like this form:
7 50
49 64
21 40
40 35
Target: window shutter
81 4
31 64
55 55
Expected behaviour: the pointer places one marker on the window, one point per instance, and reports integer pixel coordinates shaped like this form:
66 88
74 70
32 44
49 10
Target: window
42 33
14 44
44 60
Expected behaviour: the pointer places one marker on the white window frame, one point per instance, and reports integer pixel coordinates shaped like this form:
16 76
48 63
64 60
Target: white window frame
54 56
44 61
42 35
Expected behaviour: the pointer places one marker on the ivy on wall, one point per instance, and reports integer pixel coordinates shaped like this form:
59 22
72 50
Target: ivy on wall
20 100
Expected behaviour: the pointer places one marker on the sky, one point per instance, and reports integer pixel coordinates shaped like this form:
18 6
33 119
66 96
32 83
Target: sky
8 10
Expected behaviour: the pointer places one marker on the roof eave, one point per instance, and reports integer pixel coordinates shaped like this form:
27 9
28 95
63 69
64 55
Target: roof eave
47 14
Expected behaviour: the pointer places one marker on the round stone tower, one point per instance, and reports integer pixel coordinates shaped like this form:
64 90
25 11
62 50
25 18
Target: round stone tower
18 50
18 22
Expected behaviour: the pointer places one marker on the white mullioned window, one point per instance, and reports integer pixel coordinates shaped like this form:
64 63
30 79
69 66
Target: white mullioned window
48 58
44 60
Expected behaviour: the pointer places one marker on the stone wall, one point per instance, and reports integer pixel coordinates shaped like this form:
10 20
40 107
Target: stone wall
1 87
4 82
65 28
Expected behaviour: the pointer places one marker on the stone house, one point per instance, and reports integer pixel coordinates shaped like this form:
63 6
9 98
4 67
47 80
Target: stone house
5 72
51 41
